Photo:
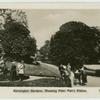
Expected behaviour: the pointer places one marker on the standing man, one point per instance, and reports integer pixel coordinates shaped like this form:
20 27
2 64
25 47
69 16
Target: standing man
77 77
5 71
83 75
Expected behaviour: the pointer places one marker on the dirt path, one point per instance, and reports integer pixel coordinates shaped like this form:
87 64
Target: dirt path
92 81
31 78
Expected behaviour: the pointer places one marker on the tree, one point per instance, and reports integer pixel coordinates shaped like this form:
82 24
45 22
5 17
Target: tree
75 42
7 15
97 49
15 36
17 42
44 51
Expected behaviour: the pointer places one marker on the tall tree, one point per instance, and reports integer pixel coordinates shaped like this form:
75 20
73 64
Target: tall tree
15 36
16 40
75 42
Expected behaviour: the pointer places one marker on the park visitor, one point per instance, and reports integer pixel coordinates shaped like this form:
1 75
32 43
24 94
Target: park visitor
61 69
71 74
3 68
1 64
66 76
5 71
83 75
77 77
13 73
20 70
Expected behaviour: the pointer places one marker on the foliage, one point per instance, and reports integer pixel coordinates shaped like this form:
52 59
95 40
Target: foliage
7 15
44 51
17 41
75 42
15 36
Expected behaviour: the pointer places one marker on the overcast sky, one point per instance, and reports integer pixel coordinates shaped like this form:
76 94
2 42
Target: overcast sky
44 23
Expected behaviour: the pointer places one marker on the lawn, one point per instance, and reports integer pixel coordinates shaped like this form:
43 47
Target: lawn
39 70
42 70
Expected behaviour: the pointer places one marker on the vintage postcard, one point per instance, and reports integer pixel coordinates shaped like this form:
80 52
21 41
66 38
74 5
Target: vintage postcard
50 50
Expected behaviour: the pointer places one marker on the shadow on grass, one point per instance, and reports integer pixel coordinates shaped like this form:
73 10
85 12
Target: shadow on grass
35 83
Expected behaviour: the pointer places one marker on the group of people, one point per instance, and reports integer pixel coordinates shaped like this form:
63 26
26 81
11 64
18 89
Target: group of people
70 78
80 76
15 72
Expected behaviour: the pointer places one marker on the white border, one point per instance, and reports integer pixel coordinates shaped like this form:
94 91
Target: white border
45 5
91 91
50 1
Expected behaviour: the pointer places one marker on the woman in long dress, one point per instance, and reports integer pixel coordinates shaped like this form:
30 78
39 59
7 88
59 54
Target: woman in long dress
13 73
20 70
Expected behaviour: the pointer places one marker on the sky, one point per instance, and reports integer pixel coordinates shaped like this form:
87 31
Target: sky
45 22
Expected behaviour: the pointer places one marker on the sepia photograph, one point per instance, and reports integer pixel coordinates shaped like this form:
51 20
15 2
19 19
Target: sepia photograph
49 48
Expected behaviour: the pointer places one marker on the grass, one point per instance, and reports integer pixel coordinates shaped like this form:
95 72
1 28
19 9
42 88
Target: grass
42 70
35 83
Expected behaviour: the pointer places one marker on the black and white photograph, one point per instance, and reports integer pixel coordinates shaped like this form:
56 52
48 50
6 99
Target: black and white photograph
49 48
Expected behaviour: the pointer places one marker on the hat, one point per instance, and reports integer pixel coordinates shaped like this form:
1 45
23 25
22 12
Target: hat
64 67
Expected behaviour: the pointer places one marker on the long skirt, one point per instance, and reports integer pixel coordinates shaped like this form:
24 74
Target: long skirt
13 75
